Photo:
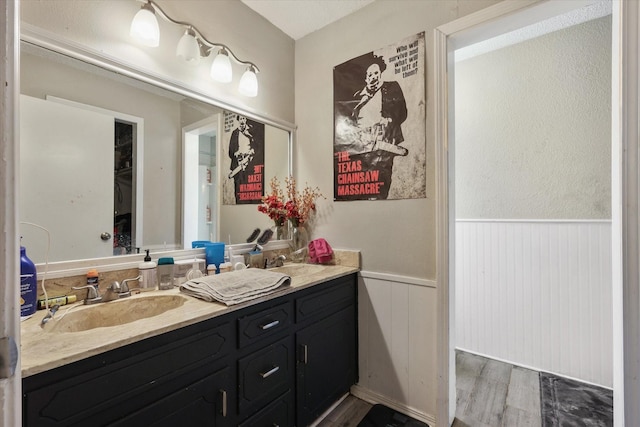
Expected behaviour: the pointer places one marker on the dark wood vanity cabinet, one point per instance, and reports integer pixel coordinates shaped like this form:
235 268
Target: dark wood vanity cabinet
281 362
326 351
326 341
121 386
204 402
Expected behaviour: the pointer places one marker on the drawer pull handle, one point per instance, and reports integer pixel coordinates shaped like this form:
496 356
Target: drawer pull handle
270 372
305 354
224 403
270 325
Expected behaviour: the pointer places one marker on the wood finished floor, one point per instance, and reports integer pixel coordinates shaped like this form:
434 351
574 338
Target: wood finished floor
348 414
489 394
492 394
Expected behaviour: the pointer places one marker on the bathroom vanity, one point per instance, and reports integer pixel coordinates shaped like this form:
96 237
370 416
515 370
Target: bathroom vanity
280 360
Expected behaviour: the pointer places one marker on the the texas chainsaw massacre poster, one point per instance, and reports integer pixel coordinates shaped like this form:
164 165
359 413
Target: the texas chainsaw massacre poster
379 124
243 166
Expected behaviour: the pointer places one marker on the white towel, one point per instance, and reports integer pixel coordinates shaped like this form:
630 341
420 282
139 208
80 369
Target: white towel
236 286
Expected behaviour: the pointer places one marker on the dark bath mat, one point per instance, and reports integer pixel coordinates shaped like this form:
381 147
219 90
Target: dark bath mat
566 402
381 416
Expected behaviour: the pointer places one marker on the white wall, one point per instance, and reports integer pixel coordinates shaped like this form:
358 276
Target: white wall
537 294
396 237
533 128
396 332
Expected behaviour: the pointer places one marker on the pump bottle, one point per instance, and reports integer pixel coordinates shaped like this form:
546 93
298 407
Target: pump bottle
148 274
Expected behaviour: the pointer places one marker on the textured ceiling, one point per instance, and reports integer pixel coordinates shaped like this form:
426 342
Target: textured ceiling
297 18
595 10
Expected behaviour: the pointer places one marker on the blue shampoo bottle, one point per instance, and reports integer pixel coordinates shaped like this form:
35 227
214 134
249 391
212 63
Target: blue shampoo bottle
28 285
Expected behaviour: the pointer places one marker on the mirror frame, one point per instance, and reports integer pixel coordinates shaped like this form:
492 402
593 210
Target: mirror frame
55 43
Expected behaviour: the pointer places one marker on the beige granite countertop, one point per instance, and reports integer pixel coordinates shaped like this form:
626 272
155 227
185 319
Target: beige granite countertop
45 348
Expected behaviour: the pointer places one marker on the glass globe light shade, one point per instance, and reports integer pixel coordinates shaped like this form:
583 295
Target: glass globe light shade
221 68
188 48
144 27
249 83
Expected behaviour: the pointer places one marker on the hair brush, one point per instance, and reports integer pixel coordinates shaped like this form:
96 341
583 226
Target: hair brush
266 236
253 235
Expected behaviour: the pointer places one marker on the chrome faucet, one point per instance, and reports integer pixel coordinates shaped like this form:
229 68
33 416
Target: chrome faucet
93 296
275 261
113 292
116 291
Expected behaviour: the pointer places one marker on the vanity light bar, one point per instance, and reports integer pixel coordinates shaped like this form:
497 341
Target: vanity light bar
193 46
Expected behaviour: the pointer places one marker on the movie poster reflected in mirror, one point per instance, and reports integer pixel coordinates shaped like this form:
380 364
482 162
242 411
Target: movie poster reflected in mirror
379 123
242 160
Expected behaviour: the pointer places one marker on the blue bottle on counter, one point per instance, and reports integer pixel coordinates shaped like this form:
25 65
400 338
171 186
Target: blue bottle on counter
28 285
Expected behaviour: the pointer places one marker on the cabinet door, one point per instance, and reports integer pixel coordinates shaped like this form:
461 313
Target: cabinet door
110 386
207 402
265 374
327 363
277 414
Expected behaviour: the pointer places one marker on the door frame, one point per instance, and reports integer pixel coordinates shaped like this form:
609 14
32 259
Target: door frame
10 381
491 22
190 187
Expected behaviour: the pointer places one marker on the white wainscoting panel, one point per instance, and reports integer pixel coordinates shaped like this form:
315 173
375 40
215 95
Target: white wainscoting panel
397 338
537 294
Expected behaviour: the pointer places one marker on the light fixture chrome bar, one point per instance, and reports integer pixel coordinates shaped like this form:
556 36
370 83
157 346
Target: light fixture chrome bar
206 45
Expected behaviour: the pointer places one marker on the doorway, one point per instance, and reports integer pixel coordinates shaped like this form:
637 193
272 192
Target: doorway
200 178
533 197
473 28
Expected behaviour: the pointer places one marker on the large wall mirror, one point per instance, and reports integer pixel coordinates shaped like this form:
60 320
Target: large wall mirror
114 165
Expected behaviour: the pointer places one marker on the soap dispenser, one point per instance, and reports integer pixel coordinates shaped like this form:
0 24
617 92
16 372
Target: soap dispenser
148 274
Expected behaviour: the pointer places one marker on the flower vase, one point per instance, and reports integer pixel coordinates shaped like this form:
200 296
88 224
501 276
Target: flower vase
282 231
298 243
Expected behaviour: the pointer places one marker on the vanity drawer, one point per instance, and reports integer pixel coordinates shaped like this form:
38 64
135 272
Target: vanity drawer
326 300
265 323
265 374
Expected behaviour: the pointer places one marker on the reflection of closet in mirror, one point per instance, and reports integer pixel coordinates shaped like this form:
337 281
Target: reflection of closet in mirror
123 190
128 142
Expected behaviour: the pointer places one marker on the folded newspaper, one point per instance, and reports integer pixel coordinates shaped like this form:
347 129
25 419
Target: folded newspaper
235 287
